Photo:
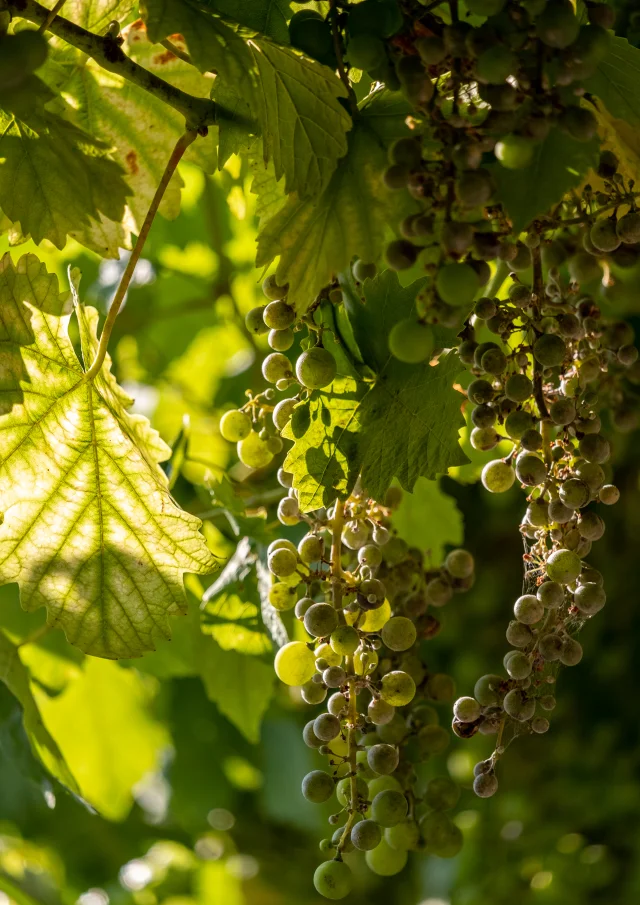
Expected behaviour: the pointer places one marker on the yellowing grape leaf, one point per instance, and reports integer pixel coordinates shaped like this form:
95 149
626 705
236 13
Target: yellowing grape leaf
55 179
106 729
15 676
316 237
90 529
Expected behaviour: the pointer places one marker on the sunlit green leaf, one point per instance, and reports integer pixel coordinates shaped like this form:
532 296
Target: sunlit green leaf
429 519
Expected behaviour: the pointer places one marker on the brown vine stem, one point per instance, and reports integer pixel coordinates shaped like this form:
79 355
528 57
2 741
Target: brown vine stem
175 50
538 291
337 46
176 156
353 766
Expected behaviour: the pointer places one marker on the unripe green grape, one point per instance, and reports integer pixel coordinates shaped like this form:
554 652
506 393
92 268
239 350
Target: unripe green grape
581 125
474 188
530 441
383 758
316 368
538 513
574 493
386 861
235 426
281 544
459 563
433 739
487 690
320 620
364 271
467 710
326 652
431 49
401 254
278 315
560 513
442 793
334 676
528 609
563 566
609 494
282 596
389 807
589 575
530 469
295 664
483 416
313 693
519 707
518 665
457 284
285 478
355 535
344 640
326 726
515 152
254 452
317 786
604 236
254 321
309 737
337 704
399 633
584 268
550 647
484 308
562 411
457 238
549 350
366 835
343 790
311 548
591 526
403 836
495 64
589 598
485 785
594 448
551 594
516 423
282 562
374 590
441 836
518 388
398 688
281 340
518 634
288 511
347 845
272 289
571 653
484 438
498 476
275 445
333 879
365 51
480 391
628 228
370 555
302 606
411 341
557 25
276 367
379 712
439 592
540 725
627 355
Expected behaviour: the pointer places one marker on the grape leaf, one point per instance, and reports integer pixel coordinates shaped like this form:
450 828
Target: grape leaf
241 686
90 529
95 16
106 729
55 179
15 676
559 164
317 237
429 519
267 17
615 83
404 424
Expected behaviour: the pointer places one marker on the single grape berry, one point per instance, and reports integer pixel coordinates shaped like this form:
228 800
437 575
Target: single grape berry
366 835
254 452
272 289
364 271
518 388
557 25
383 758
235 426
282 562
398 688
333 879
254 321
326 726
549 350
317 786
386 861
498 476
528 609
320 620
563 566
571 652
530 469
276 367
515 152
389 807
411 341
551 594
589 598
295 664
518 634
441 835
344 640
485 785
457 284
518 706
401 254
316 368
379 712
488 690
628 228
467 710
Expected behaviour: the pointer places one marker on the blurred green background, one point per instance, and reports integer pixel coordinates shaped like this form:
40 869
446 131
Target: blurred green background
189 797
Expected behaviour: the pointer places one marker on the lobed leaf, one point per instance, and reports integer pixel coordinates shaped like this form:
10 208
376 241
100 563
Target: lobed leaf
615 83
90 529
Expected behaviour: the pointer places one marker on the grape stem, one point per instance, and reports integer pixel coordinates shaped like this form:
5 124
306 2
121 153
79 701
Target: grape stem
176 156
538 291
336 554
352 752
337 46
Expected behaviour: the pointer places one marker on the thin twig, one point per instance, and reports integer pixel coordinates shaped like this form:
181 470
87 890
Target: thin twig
337 46
52 14
172 48
176 156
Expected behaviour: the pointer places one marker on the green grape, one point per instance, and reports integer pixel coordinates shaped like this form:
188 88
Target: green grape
254 452
326 652
498 476
485 785
431 49
439 592
560 513
442 793
344 640
281 544
394 731
495 64
389 807
403 836
281 340
397 688
326 726
364 271
549 350
441 687
487 690
551 594
609 494
276 367
309 737
515 152
573 493
282 596
334 677
278 315
365 51
288 511
540 724
316 368
282 562
411 341
317 786
467 710
628 228
311 548
235 425
295 664
563 411
370 555
518 388
589 598
271 288
379 712
333 879
483 416
441 836
433 739
592 475
313 693
603 235
518 634
399 633
528 609
474 188
459 563
386 861
517 664
530 469
563 566
550 647
571 652
457 284
582 125
518 706
484 438
538 513
311 34
320 620
254 321
365 835
557 25
401 254
517 423
343 790
480 391
382 758
594 448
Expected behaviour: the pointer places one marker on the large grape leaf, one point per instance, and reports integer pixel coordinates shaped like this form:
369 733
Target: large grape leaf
294 100
56 179
267 17
240 685
403 424
429 518
14 674
106 728
616 81
317 237
559 164
90 529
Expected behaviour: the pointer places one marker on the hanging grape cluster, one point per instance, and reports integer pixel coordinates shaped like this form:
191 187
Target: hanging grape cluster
545 368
